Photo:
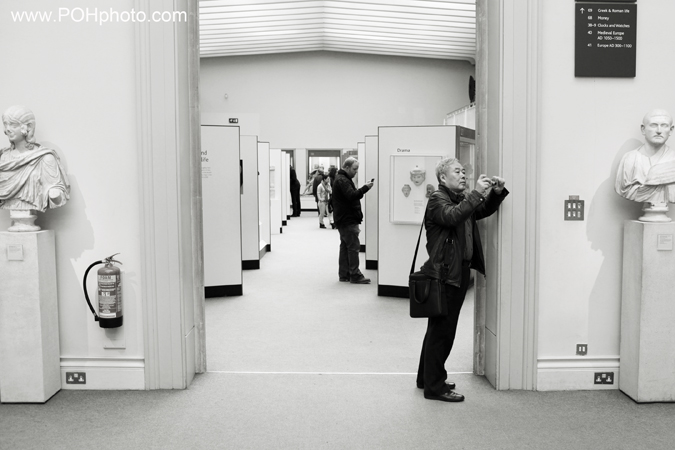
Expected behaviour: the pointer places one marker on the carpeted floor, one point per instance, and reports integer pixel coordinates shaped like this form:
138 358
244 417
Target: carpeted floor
302 361
295 316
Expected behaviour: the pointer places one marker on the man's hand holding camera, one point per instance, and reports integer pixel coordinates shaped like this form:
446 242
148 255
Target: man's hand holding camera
484 183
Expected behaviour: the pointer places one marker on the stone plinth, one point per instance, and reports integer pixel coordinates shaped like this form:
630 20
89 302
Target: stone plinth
29 328
648 312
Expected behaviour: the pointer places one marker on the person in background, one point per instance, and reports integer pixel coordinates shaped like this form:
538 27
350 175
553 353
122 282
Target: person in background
323 191
450 220
332 171
315 184
295 193
347 215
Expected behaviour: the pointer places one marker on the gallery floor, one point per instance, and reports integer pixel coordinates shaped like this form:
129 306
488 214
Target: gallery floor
302 361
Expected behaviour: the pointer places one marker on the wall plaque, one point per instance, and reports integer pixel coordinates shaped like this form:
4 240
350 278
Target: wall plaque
15 252
664 242
605 39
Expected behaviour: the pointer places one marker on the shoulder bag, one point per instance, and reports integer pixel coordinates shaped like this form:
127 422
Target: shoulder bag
427 295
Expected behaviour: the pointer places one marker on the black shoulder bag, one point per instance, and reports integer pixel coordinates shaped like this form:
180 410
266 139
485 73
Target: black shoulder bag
427 295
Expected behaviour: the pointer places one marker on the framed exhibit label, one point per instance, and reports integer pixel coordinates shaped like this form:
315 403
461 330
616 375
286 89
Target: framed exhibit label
413 180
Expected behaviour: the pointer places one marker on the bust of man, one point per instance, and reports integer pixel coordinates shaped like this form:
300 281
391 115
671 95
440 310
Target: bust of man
647 174
31 176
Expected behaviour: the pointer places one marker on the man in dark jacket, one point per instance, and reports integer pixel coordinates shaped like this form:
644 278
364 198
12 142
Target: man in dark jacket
347 216
454 246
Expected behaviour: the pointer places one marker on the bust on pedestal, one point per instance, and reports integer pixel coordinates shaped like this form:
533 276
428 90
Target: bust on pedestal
31 179
647 174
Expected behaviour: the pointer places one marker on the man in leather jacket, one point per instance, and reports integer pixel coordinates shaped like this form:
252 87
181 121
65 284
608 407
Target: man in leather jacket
347 216
454 247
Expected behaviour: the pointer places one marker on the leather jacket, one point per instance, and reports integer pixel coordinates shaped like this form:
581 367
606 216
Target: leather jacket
445 215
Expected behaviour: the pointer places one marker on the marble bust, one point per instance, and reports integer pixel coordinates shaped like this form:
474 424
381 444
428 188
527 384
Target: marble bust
31 175
647 174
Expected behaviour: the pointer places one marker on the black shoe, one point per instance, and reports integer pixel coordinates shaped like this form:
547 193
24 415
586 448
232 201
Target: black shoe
344 279
322 225
449 384
332 225
450 396
360 280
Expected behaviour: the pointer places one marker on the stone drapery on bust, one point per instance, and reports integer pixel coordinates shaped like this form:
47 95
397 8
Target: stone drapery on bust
31 176
647 174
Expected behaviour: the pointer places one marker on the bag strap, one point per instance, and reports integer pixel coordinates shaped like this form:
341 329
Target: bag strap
417 247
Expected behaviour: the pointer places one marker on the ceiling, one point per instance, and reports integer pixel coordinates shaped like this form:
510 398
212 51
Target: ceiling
418 28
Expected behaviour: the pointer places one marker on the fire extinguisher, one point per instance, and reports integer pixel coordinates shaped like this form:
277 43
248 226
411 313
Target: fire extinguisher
109 293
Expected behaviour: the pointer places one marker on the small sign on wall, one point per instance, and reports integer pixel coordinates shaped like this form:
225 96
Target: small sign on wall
15 252
664 242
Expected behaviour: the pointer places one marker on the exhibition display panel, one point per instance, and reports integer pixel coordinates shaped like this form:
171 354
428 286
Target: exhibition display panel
276 188
371 199
285 187
250 231
407 157
288 157
264 215
363 164
221 194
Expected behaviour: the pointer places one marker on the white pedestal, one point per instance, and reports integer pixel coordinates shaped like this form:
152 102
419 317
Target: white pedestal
648 312
29 328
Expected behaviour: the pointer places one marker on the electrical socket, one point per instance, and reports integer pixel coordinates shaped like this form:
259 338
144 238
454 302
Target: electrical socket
574 208
582 349
603 378
76 378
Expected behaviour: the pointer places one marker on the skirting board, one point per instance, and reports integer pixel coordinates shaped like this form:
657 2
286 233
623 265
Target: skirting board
284 223
385 290
250 264
371 264
575 374
105 373
223 291
363 248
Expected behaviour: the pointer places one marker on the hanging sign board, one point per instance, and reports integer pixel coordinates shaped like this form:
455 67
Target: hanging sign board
605 39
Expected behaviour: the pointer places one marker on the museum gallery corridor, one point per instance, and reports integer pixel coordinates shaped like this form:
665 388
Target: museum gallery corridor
302 361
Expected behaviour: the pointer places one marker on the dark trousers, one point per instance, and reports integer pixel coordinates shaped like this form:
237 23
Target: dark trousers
295 200
439 338
349 251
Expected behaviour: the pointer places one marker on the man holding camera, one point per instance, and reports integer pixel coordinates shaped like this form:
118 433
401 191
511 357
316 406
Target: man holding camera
347 217
452 233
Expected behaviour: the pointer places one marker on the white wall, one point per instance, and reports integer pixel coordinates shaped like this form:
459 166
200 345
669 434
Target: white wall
79 80
330 99
587 124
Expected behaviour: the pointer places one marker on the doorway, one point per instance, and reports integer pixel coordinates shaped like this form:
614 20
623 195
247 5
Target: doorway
507 88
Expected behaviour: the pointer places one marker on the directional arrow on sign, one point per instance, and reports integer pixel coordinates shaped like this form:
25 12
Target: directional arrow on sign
582 10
